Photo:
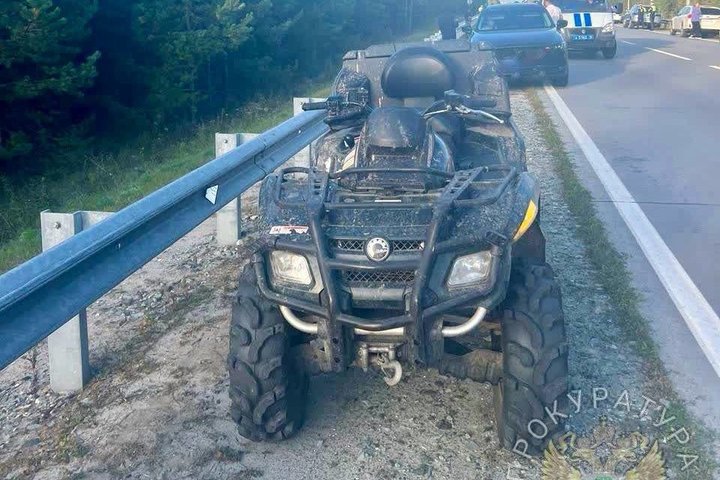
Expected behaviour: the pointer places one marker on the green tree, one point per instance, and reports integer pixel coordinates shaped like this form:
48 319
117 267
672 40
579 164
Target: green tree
42 73
183 39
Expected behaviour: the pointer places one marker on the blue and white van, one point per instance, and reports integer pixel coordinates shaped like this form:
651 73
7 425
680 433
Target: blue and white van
590 25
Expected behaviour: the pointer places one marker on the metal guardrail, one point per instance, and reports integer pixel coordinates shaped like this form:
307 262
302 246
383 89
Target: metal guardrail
39 296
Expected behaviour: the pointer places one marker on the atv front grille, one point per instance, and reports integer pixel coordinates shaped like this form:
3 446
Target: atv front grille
407 245
395 277
395 245
349 245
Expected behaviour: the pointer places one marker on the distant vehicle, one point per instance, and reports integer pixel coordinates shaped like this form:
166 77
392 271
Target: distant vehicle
709 23
590 26
526 41
631 19
617 13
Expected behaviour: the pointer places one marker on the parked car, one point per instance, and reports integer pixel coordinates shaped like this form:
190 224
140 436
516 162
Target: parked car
709 23
526 41
631 19
617 12
590 27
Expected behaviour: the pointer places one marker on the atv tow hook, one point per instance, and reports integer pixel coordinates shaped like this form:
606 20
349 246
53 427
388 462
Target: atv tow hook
478 365
383 358
391 366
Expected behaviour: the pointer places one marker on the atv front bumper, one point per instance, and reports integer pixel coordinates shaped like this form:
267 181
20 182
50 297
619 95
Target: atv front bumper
411 317
408 292
420 302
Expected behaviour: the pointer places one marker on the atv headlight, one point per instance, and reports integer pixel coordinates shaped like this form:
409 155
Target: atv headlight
470 269
608 28
290 267
528 220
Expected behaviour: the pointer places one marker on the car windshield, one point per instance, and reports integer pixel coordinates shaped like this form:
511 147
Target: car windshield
513 19
710 11
571 6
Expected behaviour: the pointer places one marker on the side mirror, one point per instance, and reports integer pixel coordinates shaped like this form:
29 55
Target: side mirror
561 24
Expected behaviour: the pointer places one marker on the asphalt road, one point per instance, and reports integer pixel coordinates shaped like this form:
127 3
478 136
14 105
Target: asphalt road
653 112
655 117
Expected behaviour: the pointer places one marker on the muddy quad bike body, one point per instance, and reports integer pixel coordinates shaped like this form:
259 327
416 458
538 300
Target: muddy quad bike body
411 238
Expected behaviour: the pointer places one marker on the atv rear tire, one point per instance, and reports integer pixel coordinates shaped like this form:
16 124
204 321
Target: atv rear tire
535 367
267 390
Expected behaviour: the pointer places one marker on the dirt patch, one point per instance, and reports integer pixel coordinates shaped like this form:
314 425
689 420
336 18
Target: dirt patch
158 405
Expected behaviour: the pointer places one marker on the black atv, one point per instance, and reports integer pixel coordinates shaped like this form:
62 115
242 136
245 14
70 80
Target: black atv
411 240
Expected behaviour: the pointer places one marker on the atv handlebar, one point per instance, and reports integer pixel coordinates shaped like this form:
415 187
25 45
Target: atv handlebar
463 105
315 106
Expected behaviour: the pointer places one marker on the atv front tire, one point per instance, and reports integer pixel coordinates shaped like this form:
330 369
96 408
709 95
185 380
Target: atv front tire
535 366
267 390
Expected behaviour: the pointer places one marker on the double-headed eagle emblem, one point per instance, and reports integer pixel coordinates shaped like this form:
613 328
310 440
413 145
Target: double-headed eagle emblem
603 456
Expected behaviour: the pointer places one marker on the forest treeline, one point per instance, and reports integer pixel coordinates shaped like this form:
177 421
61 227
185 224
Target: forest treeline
71 70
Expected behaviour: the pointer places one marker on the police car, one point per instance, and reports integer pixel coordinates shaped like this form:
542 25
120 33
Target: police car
590 26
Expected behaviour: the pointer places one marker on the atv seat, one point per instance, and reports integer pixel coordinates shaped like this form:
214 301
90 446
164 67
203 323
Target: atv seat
418 76
442 65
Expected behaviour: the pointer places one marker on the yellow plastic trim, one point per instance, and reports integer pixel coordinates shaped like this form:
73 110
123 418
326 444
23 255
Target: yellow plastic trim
530 215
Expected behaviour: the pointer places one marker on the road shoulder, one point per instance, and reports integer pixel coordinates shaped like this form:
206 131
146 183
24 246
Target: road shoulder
684 374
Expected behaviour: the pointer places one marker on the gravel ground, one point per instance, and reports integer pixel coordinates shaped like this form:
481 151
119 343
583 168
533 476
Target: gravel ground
158 406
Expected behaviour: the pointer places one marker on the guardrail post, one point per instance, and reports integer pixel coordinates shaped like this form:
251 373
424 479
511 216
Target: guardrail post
229 218
68 353
68 345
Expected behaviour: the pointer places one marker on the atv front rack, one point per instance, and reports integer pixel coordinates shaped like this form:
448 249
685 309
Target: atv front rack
455 191
419 311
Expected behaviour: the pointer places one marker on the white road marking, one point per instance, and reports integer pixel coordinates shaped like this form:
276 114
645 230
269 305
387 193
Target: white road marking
629 43
699 316
703 39
668 33
715 67
668 53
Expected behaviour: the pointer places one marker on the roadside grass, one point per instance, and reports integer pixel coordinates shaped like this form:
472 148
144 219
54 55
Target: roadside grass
109 182
615 278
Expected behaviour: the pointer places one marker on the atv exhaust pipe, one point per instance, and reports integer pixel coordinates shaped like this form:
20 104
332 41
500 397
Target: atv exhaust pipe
450 331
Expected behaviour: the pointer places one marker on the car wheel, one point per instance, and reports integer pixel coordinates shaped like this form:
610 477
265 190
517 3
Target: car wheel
561 80
673 31
610 52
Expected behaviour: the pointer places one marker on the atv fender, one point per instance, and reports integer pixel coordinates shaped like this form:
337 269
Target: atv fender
531 245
